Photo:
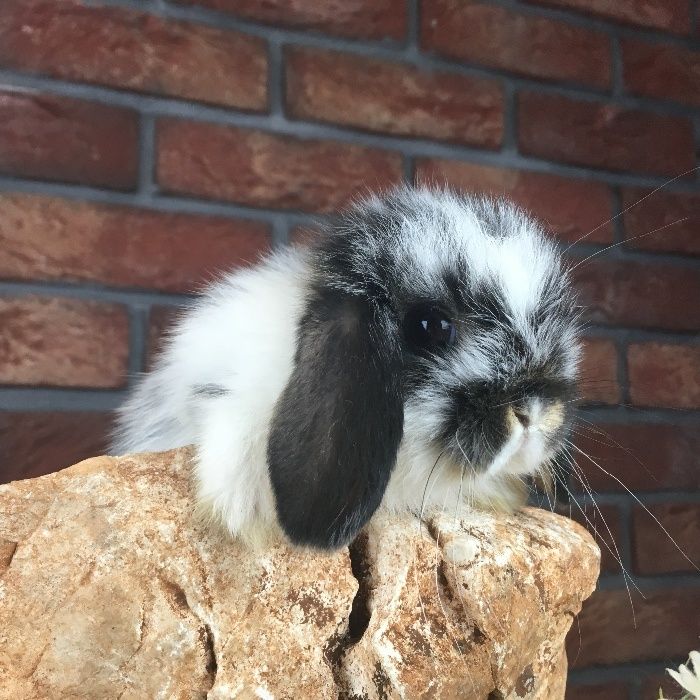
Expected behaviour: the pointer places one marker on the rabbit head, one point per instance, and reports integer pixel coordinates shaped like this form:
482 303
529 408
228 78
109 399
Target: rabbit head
439 334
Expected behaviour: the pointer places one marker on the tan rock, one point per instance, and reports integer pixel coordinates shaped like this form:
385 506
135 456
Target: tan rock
477 608
109 587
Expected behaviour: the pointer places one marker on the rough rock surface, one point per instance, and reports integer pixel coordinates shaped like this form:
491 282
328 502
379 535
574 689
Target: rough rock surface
110 587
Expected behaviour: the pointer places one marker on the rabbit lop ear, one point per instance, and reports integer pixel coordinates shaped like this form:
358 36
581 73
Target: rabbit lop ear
338 424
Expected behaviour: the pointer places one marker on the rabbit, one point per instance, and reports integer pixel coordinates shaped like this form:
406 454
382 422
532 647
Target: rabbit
421 353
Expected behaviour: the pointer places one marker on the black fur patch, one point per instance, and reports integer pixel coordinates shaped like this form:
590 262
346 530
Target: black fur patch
339 421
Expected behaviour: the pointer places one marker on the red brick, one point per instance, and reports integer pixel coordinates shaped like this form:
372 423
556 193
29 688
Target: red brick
599 691
389 97
54 239
604 523
671 15
654 552
664 375
602 135
666 72
160 320
39 443
662 210
57 138
62 342
267 170
666 627
534 46
570 208
362 19
643 456
638 294
124 49
598 381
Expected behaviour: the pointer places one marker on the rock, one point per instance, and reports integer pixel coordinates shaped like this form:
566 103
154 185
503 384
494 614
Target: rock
110 587
472 609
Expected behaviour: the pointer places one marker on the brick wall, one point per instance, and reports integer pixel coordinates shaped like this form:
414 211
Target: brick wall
146 144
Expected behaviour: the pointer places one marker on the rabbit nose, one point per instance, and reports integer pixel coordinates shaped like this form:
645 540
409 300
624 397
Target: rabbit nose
529 412
534 414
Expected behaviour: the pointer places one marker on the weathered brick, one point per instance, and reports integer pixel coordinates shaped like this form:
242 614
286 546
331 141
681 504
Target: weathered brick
603 135
665 627
53 239
604 523
664 374
639 294
389 97
662 210
570 208
160 321
62 342
643 456
478 32
58 138
654 550
598 381
670 15
39 443
598 691
362 19
132 50
657 70
262 169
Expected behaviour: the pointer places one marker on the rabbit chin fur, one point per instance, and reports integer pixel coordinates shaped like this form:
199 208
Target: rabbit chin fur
228 360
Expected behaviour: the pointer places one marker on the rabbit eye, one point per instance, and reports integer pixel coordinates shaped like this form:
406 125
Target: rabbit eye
428 328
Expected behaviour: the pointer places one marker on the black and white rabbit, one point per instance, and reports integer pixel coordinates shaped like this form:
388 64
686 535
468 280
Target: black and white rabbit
423 351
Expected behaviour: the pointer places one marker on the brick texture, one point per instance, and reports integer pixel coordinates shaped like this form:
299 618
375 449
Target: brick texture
147 146
388 97
664 374
62 342
570 208
640 295
482 33
110 46
666 72
598 373
673 217
643 456
604 523
55 239
57 138
671 15
261 169
36 443
362 19
654 550
664 628
601 135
